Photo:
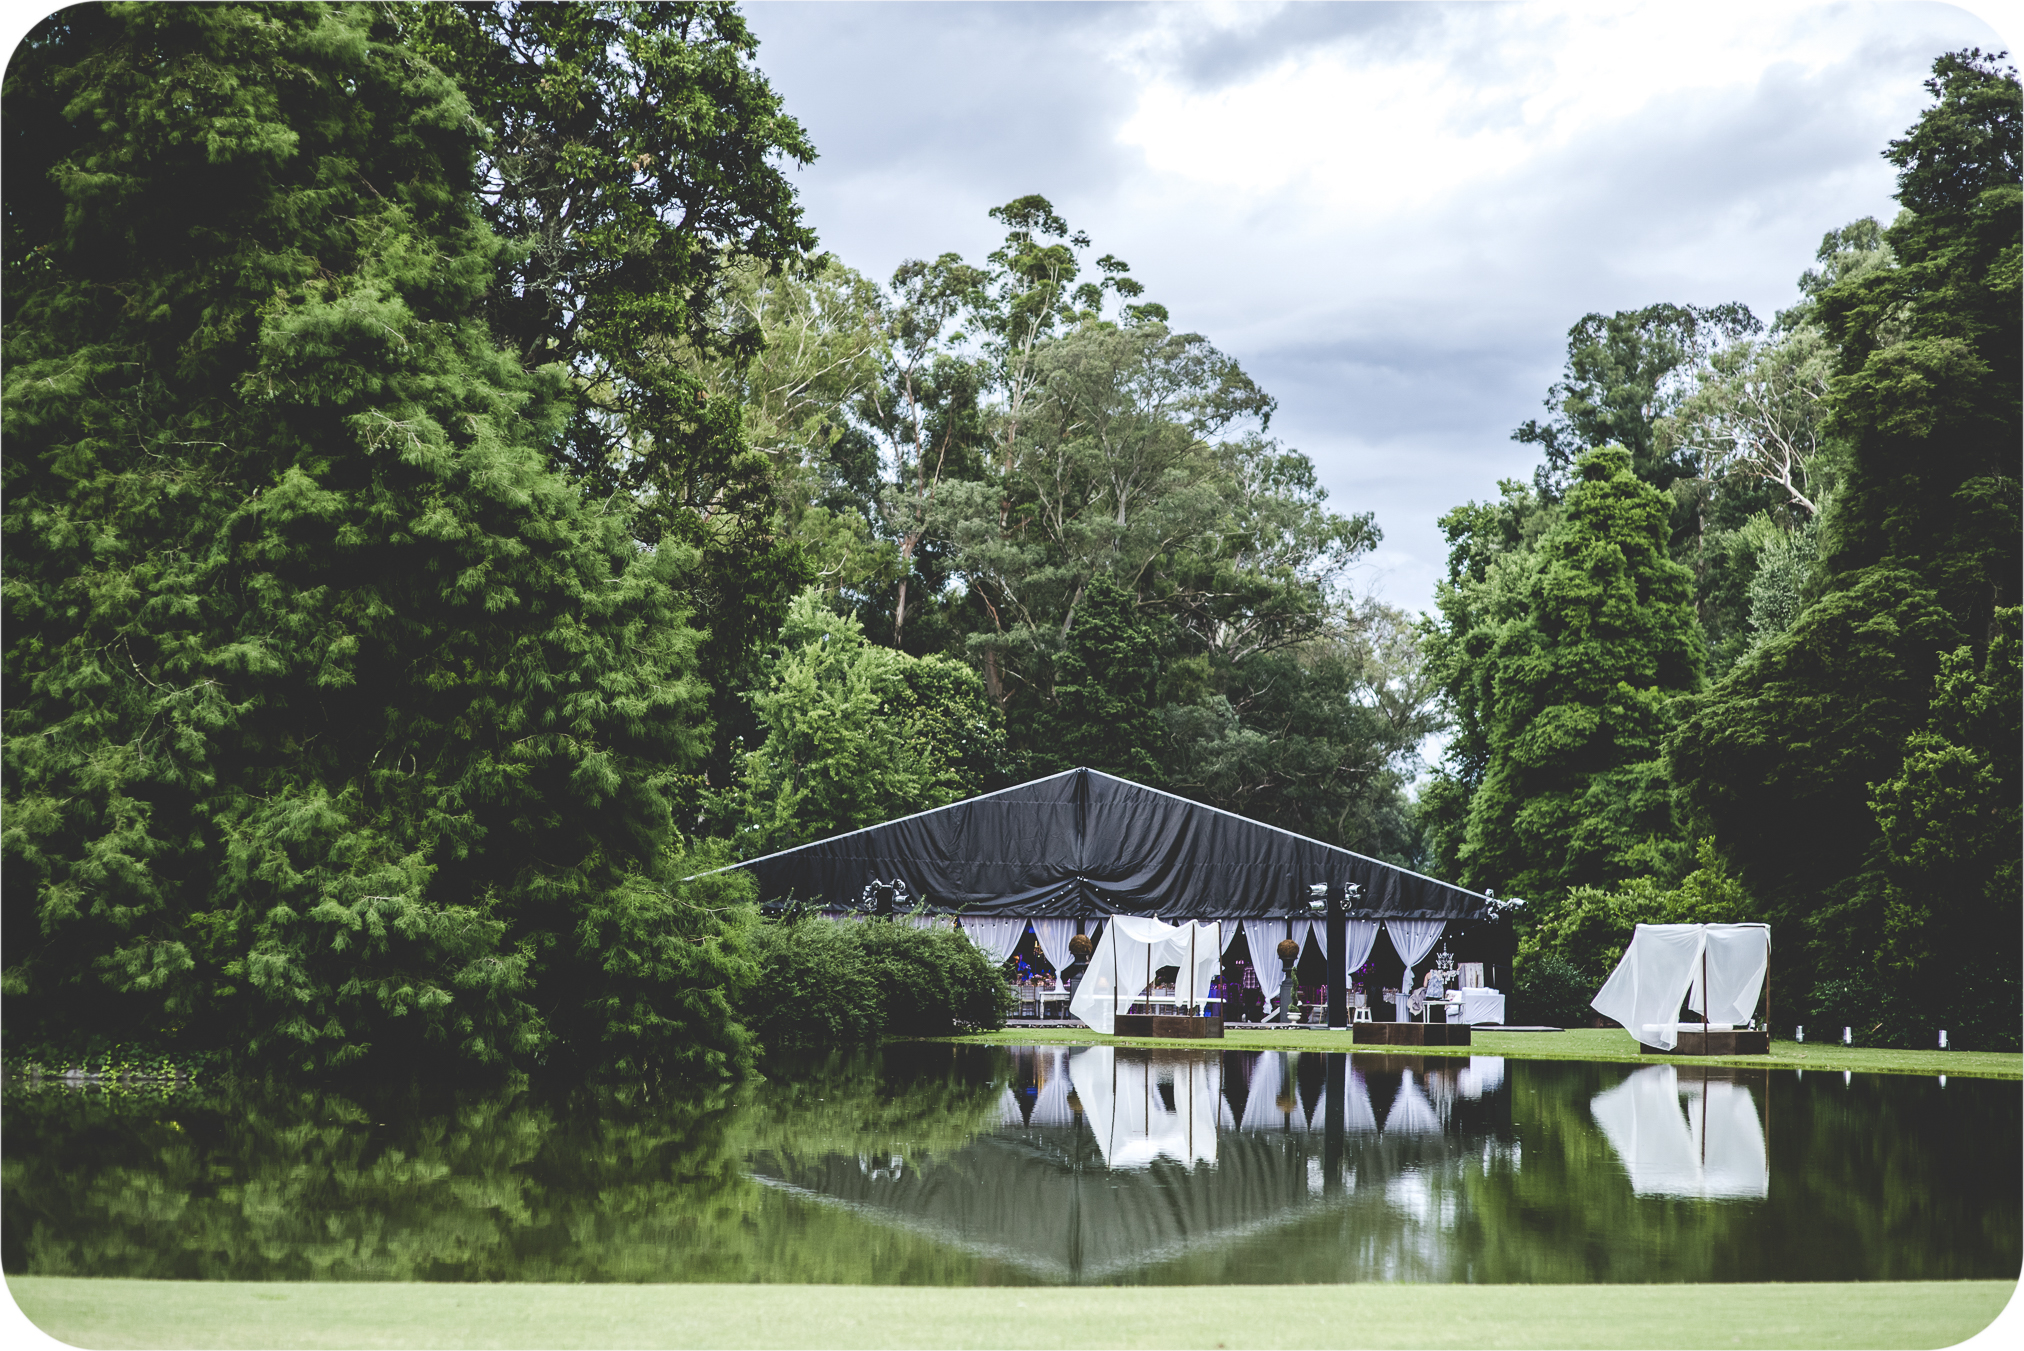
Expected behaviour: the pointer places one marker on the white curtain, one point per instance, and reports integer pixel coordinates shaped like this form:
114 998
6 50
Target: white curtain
1054 935
927 921
1414 938
1231 929
997 937
1360 937
1663 965
1318 930
1263 936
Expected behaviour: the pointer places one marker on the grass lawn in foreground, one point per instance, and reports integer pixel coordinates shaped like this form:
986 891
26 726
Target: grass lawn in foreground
117 1313
1582 1043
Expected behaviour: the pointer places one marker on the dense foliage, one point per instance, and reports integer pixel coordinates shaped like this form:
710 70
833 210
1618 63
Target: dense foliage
1846 494
338 723
825 984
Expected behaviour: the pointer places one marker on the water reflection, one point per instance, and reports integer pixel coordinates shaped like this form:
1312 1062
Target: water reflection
1693 1135
1120 1164
933 1164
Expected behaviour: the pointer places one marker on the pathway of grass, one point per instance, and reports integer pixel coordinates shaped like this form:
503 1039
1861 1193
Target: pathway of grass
1572 1044
108 1313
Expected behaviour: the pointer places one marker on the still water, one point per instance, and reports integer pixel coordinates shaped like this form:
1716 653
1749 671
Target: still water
955 1165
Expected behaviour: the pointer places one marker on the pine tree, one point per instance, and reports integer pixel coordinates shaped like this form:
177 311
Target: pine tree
337 728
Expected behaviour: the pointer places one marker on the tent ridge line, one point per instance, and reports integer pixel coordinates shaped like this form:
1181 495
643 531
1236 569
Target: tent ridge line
831 839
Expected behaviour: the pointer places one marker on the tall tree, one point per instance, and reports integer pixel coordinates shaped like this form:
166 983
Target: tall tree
635 159
1920 551
1624 372
337 726
1571 664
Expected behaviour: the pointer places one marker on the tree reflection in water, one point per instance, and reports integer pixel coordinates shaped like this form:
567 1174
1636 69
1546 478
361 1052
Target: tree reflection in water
937 1164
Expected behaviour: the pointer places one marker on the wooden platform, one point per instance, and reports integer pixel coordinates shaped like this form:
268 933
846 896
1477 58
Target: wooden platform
1167 1025
1410 1034
1738 1042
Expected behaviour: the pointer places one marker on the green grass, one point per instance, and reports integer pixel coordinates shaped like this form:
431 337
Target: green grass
116 1313
1573 1044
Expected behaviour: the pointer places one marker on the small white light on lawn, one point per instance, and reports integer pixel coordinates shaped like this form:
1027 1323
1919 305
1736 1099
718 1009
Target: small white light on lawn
1799 1033
1846 1039
1943 1039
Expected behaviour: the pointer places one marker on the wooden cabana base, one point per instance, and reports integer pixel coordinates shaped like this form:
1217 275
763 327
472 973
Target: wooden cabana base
1168 1025
1410 1034
1740 1041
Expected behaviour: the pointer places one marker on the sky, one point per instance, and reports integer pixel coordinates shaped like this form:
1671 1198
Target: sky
1390 214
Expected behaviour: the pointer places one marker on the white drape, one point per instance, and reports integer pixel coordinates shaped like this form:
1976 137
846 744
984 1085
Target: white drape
928 921
1414 938
1317 929
1232 930
1054 936
996 937
1262 936
1662 966
1130 954
1360 936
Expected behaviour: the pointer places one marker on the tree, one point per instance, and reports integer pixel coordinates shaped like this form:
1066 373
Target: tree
1949 821
1570 667
1102 710
338 729
1623 375
856 734
635 160
1919 552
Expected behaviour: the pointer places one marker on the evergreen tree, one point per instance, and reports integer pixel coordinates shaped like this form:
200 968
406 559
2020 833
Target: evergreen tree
337 728
1103 709
856 734
1574 655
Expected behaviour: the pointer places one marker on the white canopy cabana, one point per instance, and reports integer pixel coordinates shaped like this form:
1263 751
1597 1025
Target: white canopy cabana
1131 950
1665 963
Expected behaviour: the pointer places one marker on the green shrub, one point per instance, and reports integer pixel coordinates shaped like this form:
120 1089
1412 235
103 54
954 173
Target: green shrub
826 983
1553 991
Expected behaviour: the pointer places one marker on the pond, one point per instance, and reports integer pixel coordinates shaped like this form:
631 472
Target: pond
984 1165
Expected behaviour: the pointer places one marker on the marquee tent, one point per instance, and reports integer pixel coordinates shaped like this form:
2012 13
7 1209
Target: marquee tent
1085 843
1665 963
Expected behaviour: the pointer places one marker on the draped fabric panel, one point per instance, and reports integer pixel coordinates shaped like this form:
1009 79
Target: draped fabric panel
1232 929
996 937
1414 938
1054 936
1317 929
1263 936
1360 937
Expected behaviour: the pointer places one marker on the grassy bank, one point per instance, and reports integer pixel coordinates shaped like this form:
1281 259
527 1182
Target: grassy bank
1573 1044
101 1313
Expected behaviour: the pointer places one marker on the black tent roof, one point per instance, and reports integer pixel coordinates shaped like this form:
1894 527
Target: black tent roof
1083 842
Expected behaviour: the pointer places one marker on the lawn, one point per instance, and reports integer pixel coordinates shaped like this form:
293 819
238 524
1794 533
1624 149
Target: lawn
1573 1044
113 1313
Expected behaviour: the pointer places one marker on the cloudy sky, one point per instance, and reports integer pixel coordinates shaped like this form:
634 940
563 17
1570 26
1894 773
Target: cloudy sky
1389 213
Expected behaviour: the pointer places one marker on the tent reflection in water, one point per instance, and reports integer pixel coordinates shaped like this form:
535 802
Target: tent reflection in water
1710 1147
1667 963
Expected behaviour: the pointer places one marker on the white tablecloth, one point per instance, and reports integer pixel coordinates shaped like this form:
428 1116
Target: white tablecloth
1480 1005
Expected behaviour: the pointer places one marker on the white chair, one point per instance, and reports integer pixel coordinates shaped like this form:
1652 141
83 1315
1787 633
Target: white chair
1362 1014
